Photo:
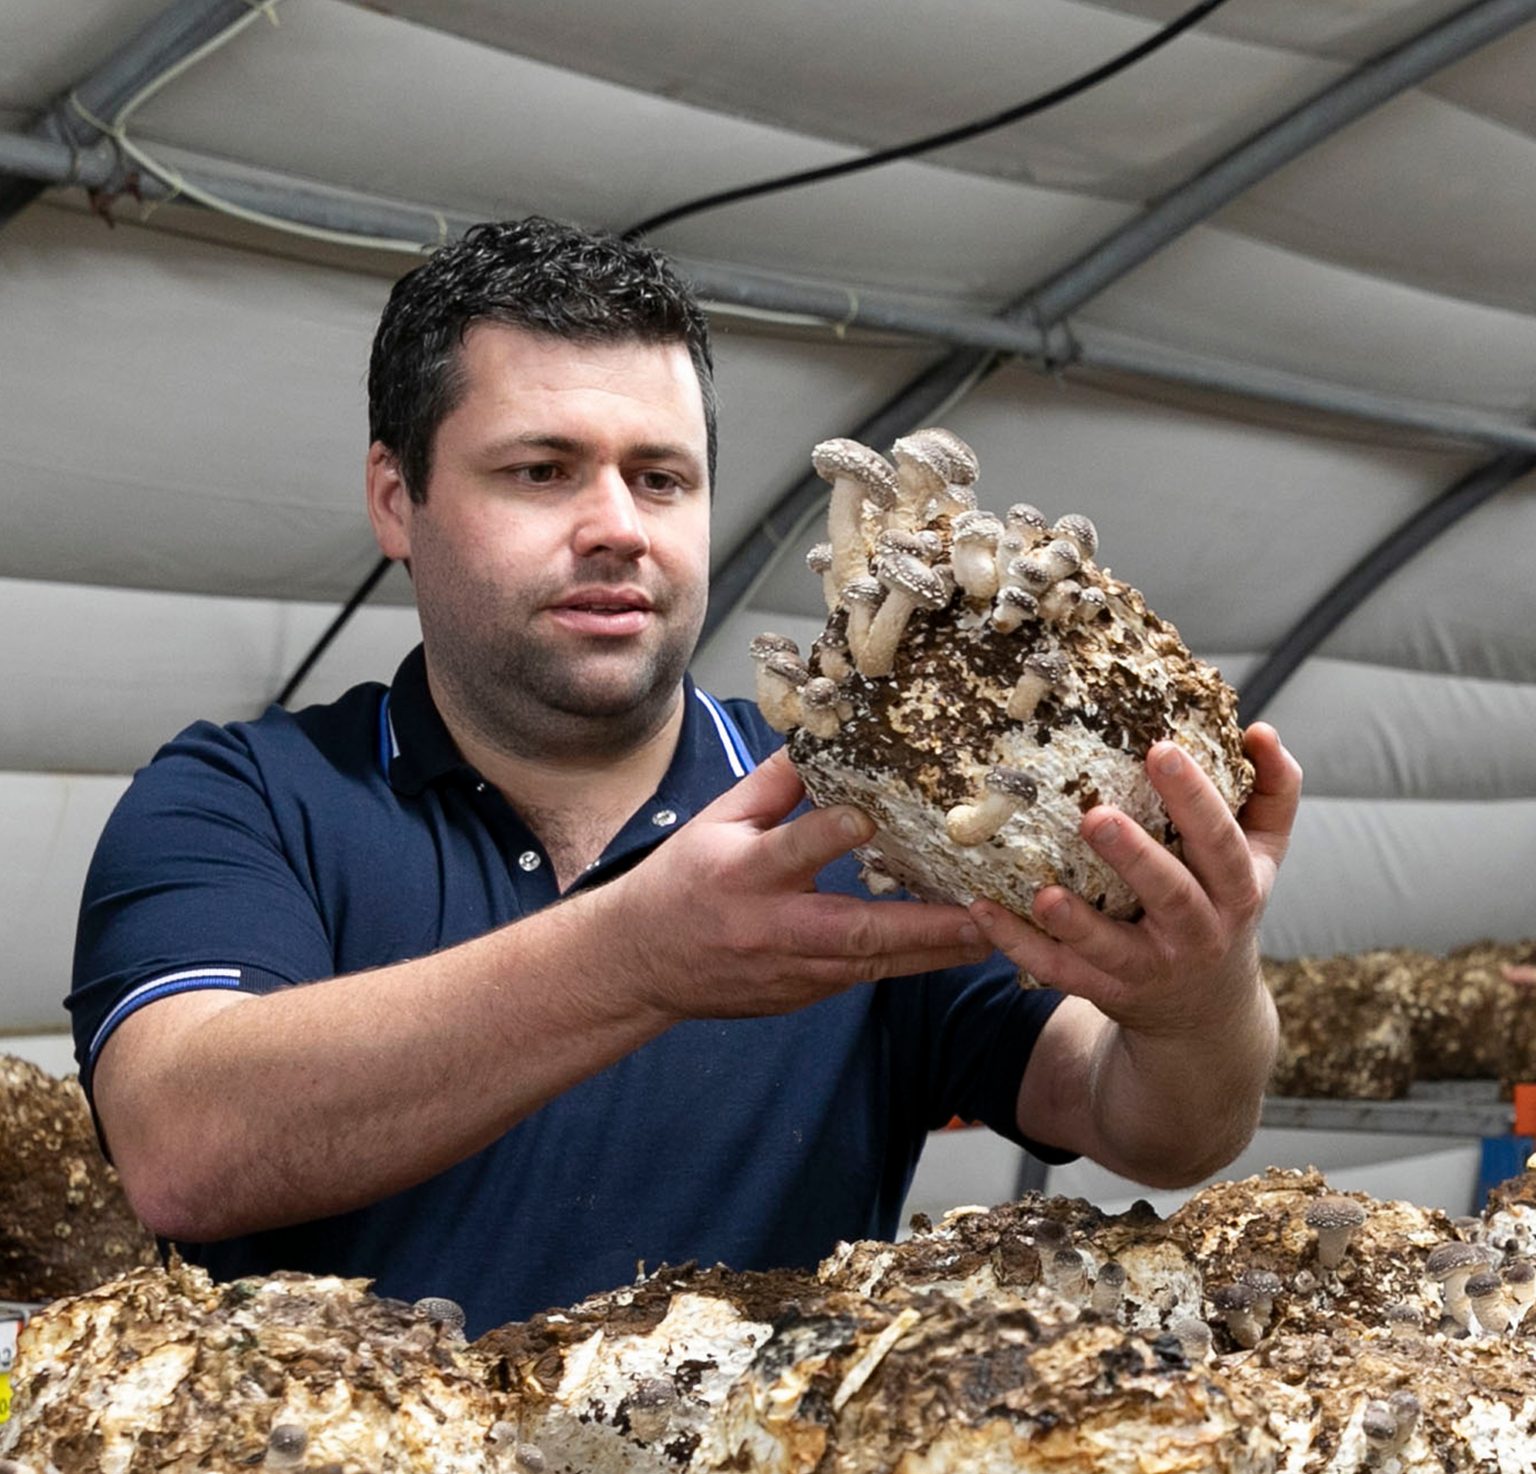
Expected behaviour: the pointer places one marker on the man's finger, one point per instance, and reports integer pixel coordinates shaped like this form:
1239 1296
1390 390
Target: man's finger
843 927
764 797
790 855
1270 812
1215 848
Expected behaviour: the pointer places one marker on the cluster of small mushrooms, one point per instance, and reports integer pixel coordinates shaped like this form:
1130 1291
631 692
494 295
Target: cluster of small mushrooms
981 683
1267 1325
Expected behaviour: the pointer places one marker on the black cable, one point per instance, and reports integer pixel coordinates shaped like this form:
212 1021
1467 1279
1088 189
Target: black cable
1039 104
333 629
933 141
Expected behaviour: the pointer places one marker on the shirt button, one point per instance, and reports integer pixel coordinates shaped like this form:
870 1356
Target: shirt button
529 860
664 818
480 787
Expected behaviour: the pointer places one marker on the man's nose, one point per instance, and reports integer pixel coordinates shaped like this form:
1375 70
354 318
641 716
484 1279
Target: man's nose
609 520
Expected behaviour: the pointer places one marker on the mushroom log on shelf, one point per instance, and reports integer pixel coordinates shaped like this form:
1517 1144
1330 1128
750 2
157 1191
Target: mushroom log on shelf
1267 1325
1368 1025
982 683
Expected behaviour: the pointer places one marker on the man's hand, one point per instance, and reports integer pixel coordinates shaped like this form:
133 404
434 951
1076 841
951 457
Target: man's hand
1185 1030
724 919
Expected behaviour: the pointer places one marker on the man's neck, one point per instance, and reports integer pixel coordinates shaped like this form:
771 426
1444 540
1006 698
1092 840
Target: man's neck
574 800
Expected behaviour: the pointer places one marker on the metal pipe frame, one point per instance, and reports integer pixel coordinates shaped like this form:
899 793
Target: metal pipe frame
331 209
175 32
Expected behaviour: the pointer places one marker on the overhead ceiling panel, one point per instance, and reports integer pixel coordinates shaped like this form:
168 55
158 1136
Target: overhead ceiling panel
1420 191
1359 30
847 73
1247 301
99 678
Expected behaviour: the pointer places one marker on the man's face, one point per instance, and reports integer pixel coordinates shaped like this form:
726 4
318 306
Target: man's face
561 556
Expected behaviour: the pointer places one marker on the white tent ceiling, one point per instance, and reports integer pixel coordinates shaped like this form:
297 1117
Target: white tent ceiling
184 424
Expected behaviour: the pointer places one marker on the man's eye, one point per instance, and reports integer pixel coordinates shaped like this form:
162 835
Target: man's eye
663 481
541 474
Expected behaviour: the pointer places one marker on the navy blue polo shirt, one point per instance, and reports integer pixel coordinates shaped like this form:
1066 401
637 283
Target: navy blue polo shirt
308 845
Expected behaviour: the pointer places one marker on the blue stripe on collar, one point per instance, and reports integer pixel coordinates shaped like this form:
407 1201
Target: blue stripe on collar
736 754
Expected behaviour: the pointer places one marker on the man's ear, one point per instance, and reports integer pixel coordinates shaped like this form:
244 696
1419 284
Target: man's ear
389 502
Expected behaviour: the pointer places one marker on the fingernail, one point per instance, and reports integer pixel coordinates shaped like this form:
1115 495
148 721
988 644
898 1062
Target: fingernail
1053 910
1106 834
1169 761
854 827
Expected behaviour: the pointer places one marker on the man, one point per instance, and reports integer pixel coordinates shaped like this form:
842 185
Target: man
581 997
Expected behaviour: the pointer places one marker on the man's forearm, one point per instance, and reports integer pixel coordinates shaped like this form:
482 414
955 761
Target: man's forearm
229 1114
1168 1110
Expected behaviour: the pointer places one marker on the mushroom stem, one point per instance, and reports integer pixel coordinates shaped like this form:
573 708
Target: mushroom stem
819 561
1007 790
861 597
1108 1290
1041 673
1012 607
818 707
909 585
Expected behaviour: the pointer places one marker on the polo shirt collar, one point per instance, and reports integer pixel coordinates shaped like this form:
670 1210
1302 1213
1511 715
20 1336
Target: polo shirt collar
711 751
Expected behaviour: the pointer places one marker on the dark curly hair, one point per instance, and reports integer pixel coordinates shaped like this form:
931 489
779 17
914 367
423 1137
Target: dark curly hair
535 274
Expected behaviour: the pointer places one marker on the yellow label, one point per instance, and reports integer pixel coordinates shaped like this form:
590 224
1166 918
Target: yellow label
5 1398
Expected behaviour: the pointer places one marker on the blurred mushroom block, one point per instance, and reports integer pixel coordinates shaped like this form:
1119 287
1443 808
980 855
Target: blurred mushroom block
982 683
65 1225
1366 1026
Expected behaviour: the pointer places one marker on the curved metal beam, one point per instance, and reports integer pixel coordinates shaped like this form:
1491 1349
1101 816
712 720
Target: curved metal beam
175 32
1274 145
1402 544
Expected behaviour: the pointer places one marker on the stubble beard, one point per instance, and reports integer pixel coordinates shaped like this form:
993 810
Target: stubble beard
532 696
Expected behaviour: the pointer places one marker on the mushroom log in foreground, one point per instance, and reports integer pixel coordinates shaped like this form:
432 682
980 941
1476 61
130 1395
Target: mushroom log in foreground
965 647
1040 1337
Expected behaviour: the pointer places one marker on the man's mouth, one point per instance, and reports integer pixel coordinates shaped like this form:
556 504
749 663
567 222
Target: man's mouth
604 612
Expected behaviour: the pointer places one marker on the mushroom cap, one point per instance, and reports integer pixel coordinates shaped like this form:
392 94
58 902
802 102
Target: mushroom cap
914 578
1065 1258
1091 602
819 692
1016 783
1112 1272
1447 1259
1335 1212
1033 573
1262 1281
1021 599
963 466
1485 1282
1228 1298
1081 530
918 450
976 526
1048 1231
1518 1272
760 647
1378 1422
922 545
439 1308
818 558
1022 514
834 637
788 667
1051 666
865 589
1400 1312
1064 550
847 458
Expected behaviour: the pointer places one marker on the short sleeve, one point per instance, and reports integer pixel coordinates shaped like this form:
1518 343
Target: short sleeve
190 887
978 1029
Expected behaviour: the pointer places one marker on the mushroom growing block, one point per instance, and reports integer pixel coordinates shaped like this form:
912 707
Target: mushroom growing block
977 652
